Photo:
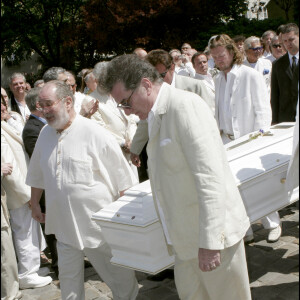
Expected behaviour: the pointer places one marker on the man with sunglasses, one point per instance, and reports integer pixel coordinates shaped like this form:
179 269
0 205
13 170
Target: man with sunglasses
192 185
276 48
163 63
82 169
253 50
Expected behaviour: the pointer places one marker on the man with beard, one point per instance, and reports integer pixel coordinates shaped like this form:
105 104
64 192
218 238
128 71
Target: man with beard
82 169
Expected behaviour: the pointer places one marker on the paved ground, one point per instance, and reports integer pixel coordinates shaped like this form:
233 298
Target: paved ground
273 270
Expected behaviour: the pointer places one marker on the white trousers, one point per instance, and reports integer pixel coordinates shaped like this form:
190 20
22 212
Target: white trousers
121 281
270 221
28 240
229 281
9 269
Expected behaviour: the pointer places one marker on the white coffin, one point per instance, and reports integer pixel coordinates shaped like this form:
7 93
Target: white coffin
259 166
131 227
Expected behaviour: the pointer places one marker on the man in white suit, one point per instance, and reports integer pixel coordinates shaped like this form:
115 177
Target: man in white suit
81 168
26 232
242 105
203 215
253 50
164 64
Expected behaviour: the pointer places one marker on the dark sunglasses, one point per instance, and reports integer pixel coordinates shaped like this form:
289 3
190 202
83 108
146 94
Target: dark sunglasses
276 46
257 48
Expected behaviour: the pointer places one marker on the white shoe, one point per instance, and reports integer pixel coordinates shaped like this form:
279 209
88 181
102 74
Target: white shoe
43 271
34 281
274 234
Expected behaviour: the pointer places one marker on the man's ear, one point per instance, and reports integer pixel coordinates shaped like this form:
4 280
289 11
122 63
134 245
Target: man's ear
147 84
69 102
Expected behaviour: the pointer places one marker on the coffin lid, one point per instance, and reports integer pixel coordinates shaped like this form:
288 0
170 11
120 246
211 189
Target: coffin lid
135 208
249 158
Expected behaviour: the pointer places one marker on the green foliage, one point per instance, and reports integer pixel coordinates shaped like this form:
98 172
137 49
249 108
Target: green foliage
78 33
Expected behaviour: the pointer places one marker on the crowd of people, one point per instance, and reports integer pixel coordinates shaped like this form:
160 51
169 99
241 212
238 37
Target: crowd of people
68 151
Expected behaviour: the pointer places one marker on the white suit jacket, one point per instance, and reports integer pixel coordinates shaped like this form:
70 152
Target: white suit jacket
264 67
249 103
181 82
191 177
12 151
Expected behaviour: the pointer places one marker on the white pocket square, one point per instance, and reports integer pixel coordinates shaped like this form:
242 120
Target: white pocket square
165 142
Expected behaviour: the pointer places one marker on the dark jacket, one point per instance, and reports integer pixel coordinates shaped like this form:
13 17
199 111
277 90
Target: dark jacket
284 90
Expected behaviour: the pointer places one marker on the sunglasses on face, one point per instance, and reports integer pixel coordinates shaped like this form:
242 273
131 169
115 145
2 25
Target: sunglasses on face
257 48
276 46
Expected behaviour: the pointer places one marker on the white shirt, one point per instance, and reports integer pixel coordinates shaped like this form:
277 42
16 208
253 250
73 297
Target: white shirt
291 58
160 211
224 110
266 54
23 109
16 121
187 70
82 170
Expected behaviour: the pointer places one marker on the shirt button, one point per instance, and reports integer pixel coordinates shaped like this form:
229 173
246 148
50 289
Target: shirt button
58 163
58 151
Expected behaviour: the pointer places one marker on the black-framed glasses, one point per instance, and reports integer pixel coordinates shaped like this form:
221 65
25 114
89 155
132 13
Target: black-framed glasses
125 103
257 48
276 46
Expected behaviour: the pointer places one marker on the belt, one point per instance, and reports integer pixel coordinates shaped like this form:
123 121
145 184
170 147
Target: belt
230 136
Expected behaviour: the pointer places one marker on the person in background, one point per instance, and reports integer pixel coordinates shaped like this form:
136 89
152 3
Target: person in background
38 83
266 40
276 48
239 42
177 59
140 52
27 234
17 85
30 134
253 59
285 77
203 72
9 267
12 118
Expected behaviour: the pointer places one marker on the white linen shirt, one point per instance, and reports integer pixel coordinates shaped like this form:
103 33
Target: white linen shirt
82 170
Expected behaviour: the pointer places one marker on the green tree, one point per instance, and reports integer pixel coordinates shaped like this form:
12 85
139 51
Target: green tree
39 26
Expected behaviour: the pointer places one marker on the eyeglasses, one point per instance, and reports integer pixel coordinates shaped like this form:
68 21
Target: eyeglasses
125 103
257 48
276 46
47 105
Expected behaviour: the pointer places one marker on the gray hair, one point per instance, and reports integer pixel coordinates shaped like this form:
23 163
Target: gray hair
99 68
40 81
88 76
274 39
32 97
62 90
52 73
15 75
248 41
266 33
128 69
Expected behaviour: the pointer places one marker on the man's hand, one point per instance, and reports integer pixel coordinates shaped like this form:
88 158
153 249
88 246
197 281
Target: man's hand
135 159
37 213
89 108
209 259
6 169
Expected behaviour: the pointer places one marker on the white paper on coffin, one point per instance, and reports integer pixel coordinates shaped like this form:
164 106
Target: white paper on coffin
131 226
259 167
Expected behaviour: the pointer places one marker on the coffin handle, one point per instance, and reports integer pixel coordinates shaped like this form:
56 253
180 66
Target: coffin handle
283 180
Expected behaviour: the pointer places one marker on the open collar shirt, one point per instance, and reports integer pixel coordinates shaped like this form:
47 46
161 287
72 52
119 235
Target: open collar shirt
81 169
